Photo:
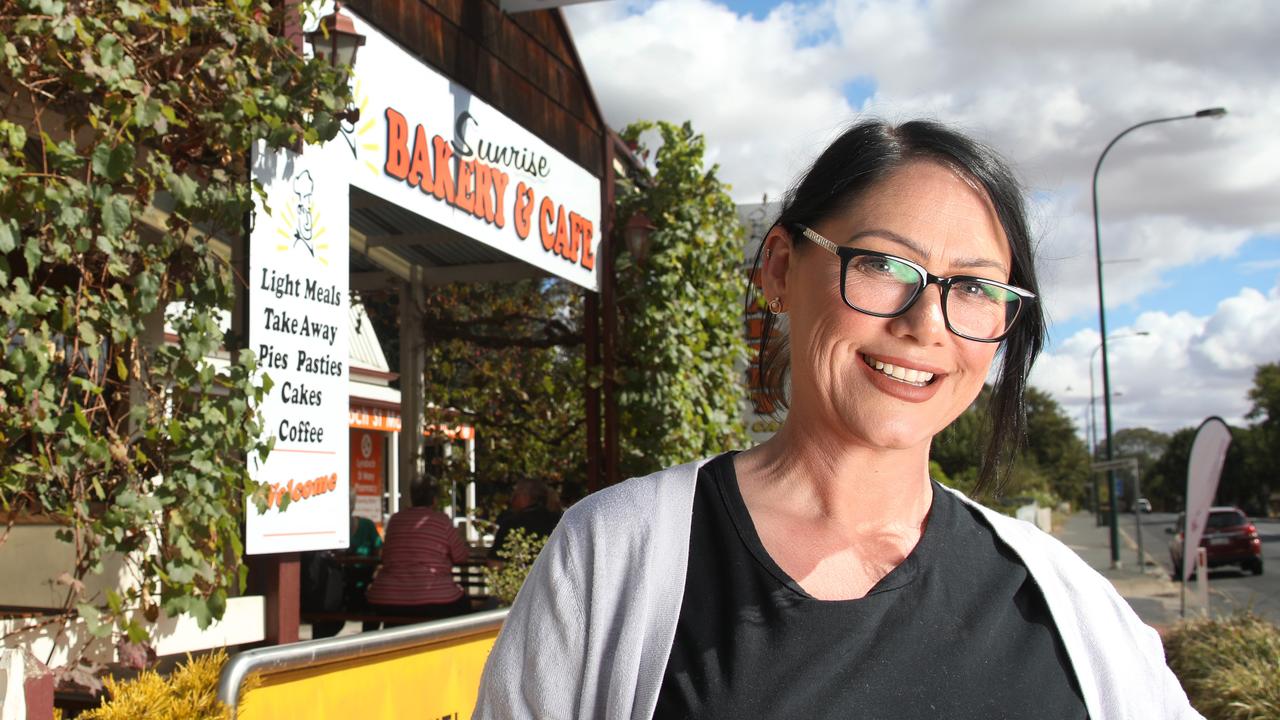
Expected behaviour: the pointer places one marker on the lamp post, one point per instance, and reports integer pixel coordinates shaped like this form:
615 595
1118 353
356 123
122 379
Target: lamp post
1216 112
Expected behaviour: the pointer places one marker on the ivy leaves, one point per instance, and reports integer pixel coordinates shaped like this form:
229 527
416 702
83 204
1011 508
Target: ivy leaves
681 307
125 128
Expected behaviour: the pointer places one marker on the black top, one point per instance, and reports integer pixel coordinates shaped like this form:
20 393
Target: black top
958 630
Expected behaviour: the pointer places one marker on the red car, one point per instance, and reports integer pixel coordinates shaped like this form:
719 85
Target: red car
1229 539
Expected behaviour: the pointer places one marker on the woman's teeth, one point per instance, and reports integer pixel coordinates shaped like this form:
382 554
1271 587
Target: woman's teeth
918 378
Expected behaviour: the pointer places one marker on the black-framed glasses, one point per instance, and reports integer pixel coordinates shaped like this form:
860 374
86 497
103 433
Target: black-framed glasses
885 285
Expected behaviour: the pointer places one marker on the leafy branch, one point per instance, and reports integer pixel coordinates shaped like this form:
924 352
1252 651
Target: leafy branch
125 132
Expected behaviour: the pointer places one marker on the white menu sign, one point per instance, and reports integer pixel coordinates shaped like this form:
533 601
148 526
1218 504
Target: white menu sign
298 326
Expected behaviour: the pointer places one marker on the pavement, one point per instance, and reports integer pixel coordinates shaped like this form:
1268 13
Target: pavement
1148 590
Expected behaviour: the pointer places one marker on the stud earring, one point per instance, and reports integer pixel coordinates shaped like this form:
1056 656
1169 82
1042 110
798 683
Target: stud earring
775 306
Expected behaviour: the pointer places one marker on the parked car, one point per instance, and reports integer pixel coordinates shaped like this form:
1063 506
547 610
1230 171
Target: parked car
1142 505
1229 539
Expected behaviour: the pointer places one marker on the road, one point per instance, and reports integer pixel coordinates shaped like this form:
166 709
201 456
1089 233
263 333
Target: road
1230 588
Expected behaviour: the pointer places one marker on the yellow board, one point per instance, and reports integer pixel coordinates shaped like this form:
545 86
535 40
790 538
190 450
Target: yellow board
431 682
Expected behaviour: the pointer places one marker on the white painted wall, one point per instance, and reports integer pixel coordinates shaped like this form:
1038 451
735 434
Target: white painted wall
31 560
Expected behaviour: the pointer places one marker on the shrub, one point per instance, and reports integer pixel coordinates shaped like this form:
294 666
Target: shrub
189 693
518 553
1230 667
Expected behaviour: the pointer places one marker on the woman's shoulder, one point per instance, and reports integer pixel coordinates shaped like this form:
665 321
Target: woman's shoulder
1040 551
636 502
651 512
416 516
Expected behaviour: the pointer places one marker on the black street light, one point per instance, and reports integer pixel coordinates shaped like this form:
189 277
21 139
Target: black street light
1216 112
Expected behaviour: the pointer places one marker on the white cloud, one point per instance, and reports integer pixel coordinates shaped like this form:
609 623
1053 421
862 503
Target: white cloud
761 97
1261 265
1185 369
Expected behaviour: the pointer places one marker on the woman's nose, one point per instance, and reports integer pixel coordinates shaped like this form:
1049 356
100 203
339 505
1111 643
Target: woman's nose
924 321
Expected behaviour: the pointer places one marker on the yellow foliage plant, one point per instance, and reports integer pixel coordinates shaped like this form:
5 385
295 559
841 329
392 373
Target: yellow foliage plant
188 693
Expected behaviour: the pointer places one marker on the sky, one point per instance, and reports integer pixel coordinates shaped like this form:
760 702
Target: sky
1190 210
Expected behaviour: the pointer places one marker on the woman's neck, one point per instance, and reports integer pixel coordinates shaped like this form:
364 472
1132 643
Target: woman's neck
838 480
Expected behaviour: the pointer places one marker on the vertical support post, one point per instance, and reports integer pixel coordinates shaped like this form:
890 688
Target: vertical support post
278 577
1137 513
1202 580
473 535
591 389
1093 445
609 298
292 29
412 358
392 488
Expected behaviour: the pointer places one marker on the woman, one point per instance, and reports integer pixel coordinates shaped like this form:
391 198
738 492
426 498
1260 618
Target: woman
416 577
822 573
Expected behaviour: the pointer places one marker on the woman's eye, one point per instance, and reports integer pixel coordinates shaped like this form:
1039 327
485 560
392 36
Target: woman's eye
984 291
888 269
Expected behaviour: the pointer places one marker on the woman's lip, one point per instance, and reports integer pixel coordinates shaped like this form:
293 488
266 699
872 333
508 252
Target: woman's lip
904 363
899 389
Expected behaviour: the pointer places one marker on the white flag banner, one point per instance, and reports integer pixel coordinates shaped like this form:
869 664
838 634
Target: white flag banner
1204 469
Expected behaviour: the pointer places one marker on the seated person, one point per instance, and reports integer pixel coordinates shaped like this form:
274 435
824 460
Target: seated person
531 511
335 580
419 551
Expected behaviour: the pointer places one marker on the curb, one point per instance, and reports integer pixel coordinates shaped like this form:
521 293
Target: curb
1165 573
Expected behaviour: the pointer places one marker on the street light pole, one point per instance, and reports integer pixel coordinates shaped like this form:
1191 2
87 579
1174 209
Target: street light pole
1216 112
1093 416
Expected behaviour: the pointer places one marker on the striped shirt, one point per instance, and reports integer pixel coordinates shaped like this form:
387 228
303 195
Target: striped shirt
418 554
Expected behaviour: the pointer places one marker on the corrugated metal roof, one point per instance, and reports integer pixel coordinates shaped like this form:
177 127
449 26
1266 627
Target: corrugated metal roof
439 246
366 352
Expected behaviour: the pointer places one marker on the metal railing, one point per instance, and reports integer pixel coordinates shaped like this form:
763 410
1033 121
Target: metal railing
310 653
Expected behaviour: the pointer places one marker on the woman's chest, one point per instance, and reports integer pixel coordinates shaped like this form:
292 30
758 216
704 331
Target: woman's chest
833 563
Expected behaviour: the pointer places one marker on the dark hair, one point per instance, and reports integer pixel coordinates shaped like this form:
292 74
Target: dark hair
535 489
423 492
866 154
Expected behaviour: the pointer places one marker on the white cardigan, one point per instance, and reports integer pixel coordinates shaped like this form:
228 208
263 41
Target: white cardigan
591 630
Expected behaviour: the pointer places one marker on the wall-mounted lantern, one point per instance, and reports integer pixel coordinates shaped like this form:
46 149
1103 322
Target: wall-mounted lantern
637 234
336 41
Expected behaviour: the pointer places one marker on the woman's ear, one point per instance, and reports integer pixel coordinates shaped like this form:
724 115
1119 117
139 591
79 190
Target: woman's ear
775 264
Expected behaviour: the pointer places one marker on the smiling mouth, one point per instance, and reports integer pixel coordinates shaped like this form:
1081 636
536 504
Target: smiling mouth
914 378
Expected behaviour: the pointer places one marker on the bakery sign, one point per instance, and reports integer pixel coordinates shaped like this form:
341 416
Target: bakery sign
430 146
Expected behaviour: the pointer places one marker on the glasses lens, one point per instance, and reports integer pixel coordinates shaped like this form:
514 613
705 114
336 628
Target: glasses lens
879 284
980 309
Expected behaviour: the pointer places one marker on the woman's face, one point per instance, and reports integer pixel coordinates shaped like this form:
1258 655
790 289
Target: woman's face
924 212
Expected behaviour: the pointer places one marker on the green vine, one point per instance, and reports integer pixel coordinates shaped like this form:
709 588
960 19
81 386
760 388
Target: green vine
683 350
125 133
